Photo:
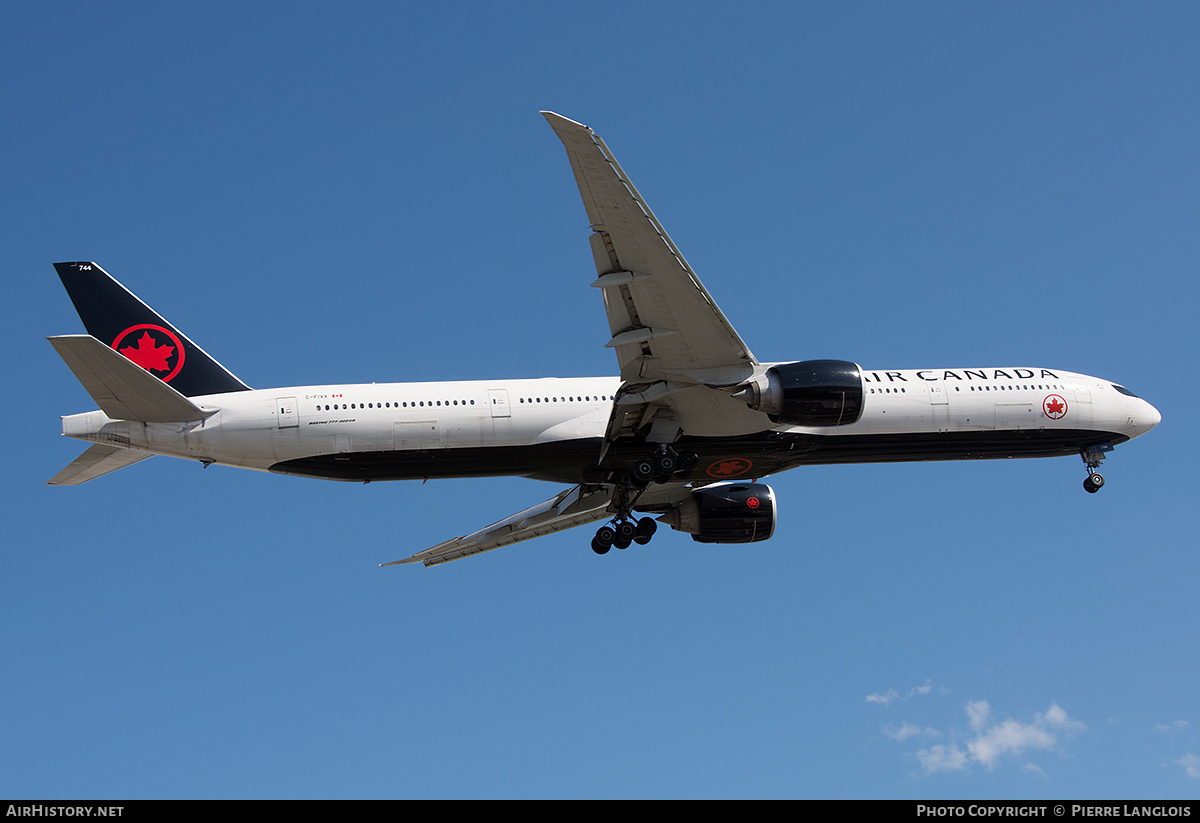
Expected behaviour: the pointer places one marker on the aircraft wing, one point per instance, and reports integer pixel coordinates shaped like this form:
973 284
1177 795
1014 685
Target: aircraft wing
680 357
664 324
566 510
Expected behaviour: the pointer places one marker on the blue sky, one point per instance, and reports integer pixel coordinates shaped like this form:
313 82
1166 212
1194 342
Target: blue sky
366 193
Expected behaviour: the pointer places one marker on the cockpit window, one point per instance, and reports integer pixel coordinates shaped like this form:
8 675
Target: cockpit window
1124 390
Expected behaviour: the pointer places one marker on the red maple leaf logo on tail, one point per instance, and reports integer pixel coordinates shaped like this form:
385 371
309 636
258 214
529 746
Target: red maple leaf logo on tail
148 354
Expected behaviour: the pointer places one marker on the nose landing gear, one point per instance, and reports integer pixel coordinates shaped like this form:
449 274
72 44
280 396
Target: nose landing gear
1093 456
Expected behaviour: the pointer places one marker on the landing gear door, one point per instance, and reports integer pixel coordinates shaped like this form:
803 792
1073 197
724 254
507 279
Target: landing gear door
288 415
498 400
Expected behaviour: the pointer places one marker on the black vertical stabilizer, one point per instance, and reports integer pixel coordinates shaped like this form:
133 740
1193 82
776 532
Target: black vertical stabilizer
116 317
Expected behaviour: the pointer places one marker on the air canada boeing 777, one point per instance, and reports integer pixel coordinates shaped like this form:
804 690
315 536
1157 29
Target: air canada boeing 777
680 437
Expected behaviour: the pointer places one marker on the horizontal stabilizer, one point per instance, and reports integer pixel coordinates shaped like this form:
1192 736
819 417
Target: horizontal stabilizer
122 389
95 462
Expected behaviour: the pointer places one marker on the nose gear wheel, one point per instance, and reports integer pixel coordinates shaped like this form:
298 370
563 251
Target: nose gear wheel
1093 456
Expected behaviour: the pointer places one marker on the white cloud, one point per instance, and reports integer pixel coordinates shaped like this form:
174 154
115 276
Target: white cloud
991 742
1009 737
891 695
886 699
1191 764
1030 768
977 713
1171 727
906 730
941 758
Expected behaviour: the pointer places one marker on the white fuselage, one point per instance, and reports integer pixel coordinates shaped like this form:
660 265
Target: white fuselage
475 428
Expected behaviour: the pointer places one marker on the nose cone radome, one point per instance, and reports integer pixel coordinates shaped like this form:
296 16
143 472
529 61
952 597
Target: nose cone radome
1149 417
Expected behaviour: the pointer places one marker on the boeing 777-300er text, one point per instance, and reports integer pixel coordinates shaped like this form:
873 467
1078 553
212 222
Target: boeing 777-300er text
681 436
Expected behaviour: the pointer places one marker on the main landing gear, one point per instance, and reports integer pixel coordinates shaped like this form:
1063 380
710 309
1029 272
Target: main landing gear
1093 456
623 533
664 465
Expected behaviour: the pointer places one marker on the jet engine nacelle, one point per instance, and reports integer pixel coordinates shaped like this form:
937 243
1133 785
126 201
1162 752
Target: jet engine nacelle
808 393
726 513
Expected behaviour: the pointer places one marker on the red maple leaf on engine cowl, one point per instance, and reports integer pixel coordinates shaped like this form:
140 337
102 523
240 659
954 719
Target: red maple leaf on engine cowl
148 354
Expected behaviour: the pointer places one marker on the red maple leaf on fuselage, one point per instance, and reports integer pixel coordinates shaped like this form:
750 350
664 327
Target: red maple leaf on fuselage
728 468
148 354
1055 408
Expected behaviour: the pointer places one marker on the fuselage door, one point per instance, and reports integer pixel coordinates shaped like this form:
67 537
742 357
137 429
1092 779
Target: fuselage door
1082 394
498 400
288 414
937 394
